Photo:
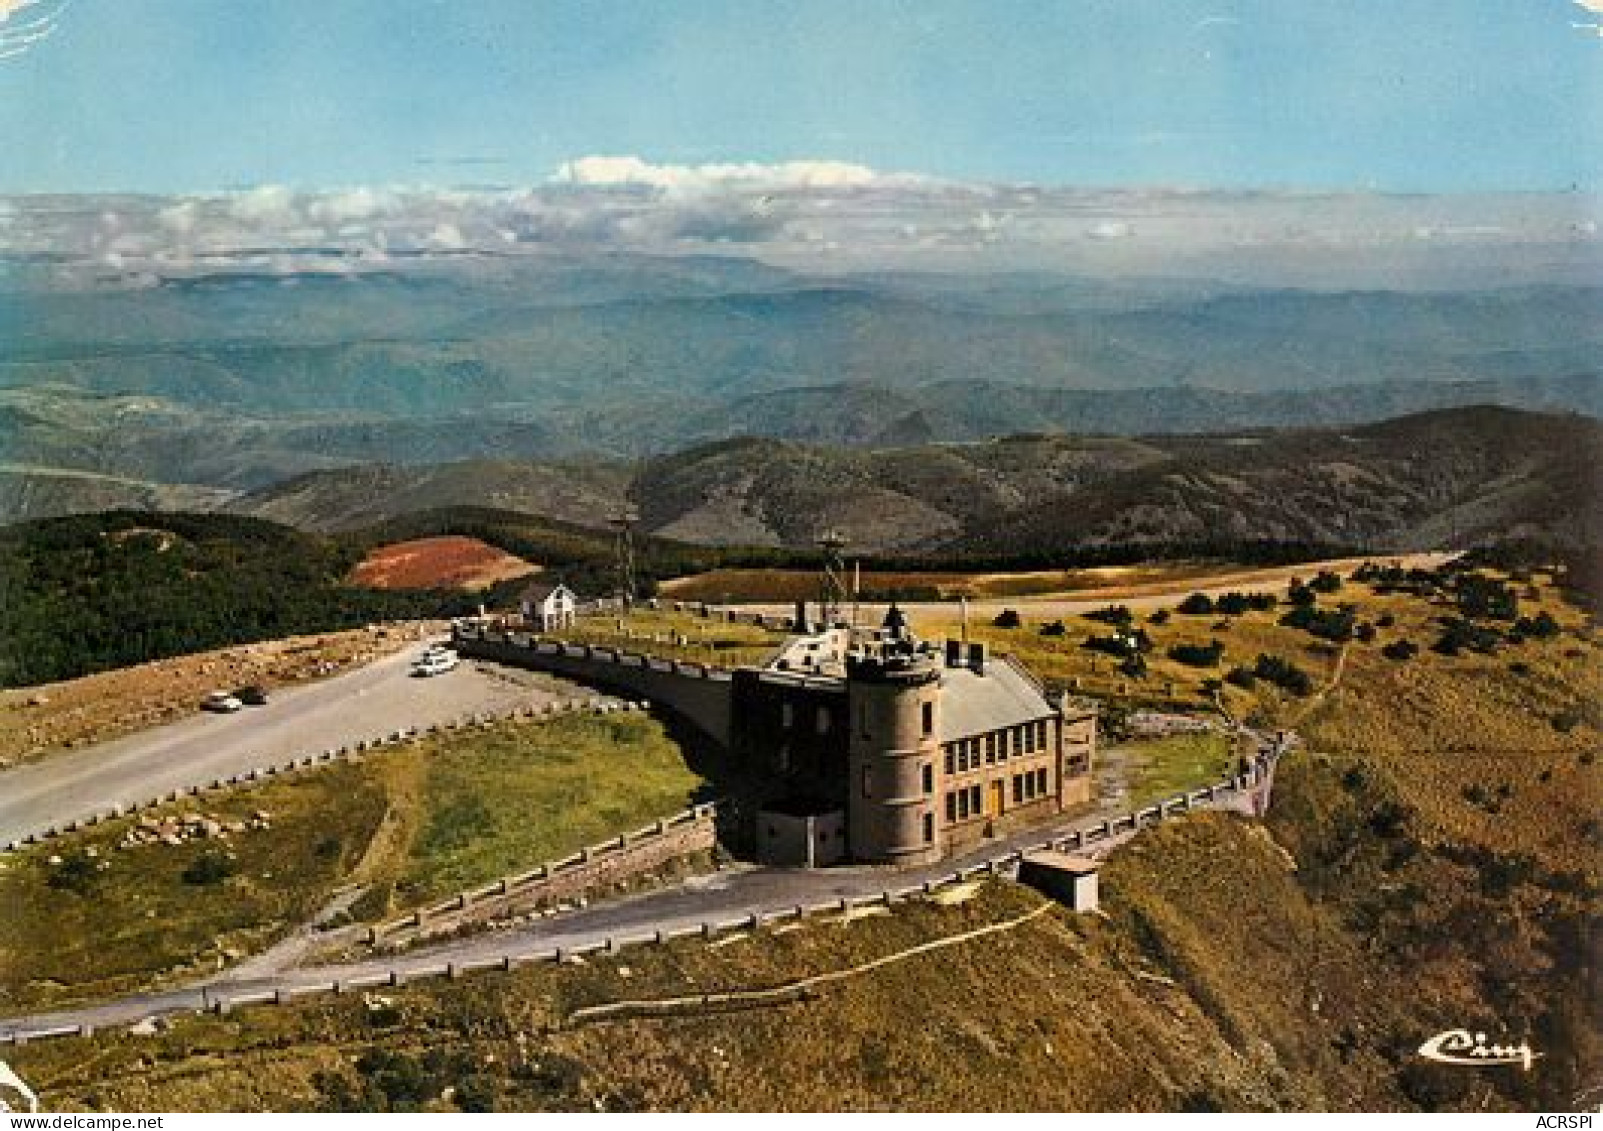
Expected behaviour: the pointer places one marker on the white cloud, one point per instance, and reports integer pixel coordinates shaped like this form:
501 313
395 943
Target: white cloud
599 170
1109 230
351 204
269 204
178 218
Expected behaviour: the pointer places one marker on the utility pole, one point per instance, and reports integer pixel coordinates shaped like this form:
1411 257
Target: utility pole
623 548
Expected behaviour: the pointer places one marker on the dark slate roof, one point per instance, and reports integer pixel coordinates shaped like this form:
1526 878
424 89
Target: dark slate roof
540 590
975 704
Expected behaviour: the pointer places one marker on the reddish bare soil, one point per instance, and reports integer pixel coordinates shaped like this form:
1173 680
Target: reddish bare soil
448 562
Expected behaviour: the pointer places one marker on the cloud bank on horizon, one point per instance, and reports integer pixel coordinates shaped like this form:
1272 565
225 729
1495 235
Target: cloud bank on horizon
820 215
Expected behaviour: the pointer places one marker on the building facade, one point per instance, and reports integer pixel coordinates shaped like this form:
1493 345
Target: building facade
917 751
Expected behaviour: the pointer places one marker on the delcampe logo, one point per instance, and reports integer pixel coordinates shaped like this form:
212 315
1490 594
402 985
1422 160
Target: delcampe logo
1460 1046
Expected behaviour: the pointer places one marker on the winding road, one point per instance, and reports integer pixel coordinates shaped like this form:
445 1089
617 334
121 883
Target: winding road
364 704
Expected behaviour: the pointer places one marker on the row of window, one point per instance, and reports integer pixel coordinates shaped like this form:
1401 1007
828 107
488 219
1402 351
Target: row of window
970 753
969 801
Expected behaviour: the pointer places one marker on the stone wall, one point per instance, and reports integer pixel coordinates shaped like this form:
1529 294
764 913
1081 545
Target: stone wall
698 693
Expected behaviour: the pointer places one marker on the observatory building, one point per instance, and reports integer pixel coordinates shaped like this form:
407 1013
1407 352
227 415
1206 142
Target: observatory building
883 748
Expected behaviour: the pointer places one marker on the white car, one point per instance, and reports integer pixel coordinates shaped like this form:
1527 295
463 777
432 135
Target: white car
221 702
435 661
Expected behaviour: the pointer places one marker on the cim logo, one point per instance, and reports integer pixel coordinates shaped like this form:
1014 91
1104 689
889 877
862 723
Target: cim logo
1471 1050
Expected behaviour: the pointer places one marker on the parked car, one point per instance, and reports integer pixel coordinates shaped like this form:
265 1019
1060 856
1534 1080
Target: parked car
435 661
251 695
220 702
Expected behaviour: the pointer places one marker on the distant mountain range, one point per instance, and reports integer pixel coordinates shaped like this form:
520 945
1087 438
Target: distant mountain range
549 384
1448 478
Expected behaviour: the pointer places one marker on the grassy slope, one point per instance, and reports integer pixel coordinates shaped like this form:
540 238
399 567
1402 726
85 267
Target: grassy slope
411 824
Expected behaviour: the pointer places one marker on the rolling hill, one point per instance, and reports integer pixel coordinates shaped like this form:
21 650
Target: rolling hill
1449 478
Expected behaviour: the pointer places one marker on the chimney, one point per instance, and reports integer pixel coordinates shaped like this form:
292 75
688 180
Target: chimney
954 653
976 657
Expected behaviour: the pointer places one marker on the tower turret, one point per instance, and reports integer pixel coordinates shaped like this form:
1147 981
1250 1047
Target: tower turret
894 700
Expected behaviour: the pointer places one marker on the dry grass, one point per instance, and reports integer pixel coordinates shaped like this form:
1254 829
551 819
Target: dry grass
38 721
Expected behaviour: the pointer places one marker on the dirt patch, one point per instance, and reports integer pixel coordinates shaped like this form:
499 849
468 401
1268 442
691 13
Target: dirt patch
446 562
36 721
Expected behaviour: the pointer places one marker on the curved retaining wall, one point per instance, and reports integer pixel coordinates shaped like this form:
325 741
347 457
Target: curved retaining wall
700 694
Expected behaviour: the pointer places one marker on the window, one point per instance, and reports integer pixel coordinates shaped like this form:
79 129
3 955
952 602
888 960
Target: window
929 828
950 761
990 746
1040 777
929 718
862 719
823 721
962 805
1029 738
787 715
951 808
975 804
868 781
1018 740
1018 789
929 777
1040 734
990 756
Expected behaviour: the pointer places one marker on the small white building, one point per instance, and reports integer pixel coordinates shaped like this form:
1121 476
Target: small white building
548 606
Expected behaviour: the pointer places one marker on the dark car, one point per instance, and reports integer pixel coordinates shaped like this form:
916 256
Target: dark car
251 696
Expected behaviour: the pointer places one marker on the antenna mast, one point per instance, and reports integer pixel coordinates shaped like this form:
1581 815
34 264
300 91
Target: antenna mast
833 590
623 548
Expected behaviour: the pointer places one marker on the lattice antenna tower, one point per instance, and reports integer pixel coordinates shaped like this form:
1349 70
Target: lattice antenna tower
623 551
834 586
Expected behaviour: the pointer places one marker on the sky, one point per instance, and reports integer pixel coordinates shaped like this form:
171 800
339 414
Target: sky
1429 96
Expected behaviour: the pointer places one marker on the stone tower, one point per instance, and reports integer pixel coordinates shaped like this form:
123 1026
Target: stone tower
894 702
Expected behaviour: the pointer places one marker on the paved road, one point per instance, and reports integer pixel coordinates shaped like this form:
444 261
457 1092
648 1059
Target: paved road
1143 596
718 897
364 704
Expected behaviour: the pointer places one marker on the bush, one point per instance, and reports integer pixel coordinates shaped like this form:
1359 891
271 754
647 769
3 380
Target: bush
1056 628
1300 594
210 867
1113 614
1241 677
1283 674
1008 618
1327 624
1542 626
1196 604
1326 581
76 873
1198 655
1459 634
1159 617
1364 631
1400 650
1134 665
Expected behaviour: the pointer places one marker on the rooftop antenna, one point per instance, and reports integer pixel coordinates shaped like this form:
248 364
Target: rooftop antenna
623 549
832 589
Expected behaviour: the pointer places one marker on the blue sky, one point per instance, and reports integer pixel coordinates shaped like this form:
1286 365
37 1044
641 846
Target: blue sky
1407 95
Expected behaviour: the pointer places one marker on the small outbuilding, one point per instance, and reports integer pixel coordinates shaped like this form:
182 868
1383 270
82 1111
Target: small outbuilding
549 606
1071 880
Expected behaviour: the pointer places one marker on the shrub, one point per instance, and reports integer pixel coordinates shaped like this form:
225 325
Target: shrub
1283 674
1241 677
1234 604
1134 665
1113 614
1008 618
1326 581
1459 634
1300 594
1542 626
1385 620
210 867
1159 617
1196 604
1327 624
1400 650
1056 628
76 873
1364 631
1198 655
